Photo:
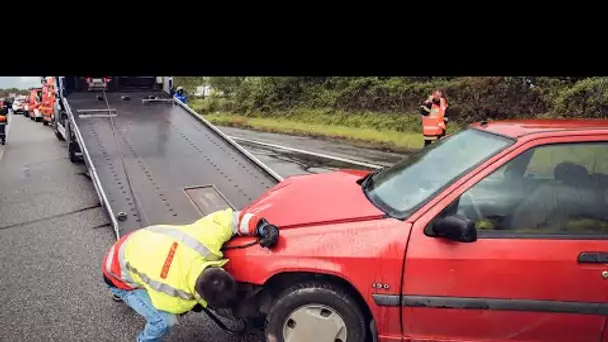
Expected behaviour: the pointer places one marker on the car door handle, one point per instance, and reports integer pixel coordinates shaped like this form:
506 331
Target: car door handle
593 258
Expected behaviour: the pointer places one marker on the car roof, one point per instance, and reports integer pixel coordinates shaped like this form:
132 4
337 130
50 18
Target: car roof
520 128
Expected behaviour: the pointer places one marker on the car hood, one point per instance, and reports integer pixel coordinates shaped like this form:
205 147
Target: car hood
316 199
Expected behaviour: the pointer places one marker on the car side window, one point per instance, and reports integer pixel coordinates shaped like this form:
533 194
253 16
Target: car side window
559 189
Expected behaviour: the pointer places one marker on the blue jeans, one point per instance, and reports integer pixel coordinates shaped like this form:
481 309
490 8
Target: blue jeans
159 323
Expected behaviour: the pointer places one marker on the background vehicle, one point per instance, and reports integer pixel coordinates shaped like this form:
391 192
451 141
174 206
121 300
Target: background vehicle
34 101
8 101
97 83
497 233
47 105
20 105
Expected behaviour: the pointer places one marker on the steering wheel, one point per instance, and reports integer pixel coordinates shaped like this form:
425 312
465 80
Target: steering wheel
476 210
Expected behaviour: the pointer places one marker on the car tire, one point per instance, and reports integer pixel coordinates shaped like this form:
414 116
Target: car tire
45 123
319 299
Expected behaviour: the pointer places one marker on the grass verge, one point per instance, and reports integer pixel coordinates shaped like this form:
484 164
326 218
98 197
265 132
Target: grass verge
361 137
389 132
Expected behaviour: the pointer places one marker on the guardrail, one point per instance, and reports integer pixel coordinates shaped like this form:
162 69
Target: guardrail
103 199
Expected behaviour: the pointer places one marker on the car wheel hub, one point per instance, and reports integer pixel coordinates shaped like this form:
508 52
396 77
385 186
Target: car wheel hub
316 323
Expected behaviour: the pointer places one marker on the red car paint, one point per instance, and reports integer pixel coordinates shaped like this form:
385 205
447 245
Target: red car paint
329 226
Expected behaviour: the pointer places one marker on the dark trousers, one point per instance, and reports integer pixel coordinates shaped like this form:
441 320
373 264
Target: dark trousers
428 142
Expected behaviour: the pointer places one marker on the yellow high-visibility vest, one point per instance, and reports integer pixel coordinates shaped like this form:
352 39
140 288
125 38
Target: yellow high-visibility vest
166 260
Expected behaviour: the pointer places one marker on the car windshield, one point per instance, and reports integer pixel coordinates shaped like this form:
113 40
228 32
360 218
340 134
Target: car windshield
403 187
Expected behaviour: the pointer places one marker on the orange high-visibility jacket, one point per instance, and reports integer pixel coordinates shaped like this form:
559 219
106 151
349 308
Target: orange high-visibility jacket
433 125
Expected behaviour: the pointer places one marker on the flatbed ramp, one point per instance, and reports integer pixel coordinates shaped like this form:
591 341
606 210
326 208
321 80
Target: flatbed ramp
160 162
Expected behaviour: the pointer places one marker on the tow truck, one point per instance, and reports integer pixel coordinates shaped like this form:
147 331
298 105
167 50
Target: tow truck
153 159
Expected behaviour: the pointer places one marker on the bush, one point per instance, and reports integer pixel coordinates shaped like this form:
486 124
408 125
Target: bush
587 98
470 98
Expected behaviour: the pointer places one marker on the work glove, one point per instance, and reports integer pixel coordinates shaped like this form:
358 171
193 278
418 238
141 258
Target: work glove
269 234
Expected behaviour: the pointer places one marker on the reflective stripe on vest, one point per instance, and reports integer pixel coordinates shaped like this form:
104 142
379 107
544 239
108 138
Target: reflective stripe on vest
154 284
186 239
243 228
160 287
123 276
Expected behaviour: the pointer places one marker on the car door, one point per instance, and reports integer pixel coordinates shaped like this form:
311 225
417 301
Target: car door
538 269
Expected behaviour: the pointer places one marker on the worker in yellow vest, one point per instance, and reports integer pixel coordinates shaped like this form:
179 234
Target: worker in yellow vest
163 271
434 117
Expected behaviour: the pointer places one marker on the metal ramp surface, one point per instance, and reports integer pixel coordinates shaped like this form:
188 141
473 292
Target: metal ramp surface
168 153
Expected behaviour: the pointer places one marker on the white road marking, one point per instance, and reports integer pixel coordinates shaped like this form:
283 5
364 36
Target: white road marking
320 155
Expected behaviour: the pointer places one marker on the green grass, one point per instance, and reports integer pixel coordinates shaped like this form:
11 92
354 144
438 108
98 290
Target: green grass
383 131
364 137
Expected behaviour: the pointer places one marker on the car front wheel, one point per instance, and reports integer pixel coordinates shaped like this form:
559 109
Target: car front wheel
315 312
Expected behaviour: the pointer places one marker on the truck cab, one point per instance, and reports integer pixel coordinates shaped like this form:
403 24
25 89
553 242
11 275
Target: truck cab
496 233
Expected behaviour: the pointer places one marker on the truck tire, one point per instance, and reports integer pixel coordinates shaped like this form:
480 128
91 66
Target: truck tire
305 302
59 136
72 153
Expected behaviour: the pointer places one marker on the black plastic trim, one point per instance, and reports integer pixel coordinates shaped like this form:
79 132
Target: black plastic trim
593 258
492 304
486 234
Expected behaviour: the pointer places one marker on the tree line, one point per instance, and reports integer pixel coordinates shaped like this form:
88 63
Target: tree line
470 98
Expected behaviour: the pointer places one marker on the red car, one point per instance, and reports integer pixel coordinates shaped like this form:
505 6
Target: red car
496 233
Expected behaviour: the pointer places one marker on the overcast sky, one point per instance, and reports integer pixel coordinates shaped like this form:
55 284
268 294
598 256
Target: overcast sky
19 82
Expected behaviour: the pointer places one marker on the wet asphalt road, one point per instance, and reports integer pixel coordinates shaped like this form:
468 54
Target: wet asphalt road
54 235
327 147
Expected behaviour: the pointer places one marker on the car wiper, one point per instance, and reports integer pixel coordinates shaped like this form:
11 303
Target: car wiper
365 181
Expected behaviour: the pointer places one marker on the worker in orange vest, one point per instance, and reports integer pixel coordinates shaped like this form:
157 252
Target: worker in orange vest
3 121
434 117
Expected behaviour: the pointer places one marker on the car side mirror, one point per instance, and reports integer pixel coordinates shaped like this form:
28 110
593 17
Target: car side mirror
455 227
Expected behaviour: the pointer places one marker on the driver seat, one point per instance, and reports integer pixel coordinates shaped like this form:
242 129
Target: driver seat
569 195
